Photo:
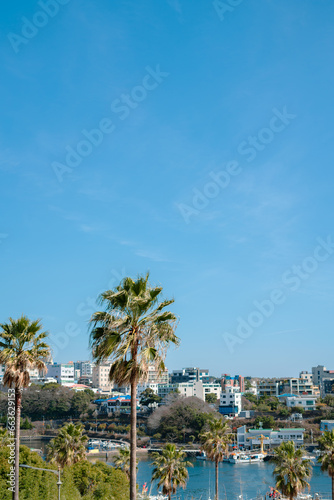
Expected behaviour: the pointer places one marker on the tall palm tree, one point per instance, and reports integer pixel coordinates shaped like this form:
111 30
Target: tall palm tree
69 446
22 348
292 471
133 332
326 442
215 443
122 461
170 469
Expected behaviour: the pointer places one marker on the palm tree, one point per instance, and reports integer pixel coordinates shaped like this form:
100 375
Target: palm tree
326 458
170 469
4 438
132 333
215 443
22 349
292 471
122 461
69 446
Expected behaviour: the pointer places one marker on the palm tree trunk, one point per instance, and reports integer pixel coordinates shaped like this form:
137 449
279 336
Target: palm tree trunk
216 495
133 441
18 397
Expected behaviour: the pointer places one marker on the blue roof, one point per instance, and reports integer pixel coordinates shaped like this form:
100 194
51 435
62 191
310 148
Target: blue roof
286 395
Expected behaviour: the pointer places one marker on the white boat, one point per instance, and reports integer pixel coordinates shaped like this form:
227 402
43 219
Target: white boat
202 456
243 458
239 458
256 457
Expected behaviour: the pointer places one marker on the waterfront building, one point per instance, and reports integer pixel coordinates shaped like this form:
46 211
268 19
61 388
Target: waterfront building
230 402
326 425
271 438
154 377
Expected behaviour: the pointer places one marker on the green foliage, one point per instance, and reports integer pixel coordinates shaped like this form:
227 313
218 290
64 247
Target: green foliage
267 422
26 424
69 446
182 418
326 442
100 481
148 397
170 469
211 398
35 484
292 471
83 480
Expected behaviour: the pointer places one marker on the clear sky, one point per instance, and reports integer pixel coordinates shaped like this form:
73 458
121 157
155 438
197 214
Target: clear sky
190 138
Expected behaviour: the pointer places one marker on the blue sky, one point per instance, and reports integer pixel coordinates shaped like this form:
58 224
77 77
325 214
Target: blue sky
216 174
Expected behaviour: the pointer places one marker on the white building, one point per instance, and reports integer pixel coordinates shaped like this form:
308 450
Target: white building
306 402
85 367
100 377
197 389
33 373
252 438
62 372
230 401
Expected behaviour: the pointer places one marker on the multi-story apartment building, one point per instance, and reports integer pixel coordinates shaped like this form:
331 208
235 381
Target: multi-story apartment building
270 387
85 367
308 403
154 377
324 379
62 372
100 377
192 374
306 376
237 381
230 401
188 389
277 387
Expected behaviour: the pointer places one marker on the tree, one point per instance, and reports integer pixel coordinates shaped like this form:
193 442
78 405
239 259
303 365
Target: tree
183 413
4 438
149 397
133 332
170 469
122 461
68 447
22 348
215 443
211 398
326 442
291 471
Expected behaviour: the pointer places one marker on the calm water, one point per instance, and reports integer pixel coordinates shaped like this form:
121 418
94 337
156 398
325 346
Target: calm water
250 480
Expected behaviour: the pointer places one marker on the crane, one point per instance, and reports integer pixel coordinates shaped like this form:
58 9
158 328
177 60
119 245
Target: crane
261 438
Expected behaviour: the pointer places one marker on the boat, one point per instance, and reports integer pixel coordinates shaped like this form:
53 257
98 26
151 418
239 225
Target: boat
256 457
243 458
202 456
239 458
